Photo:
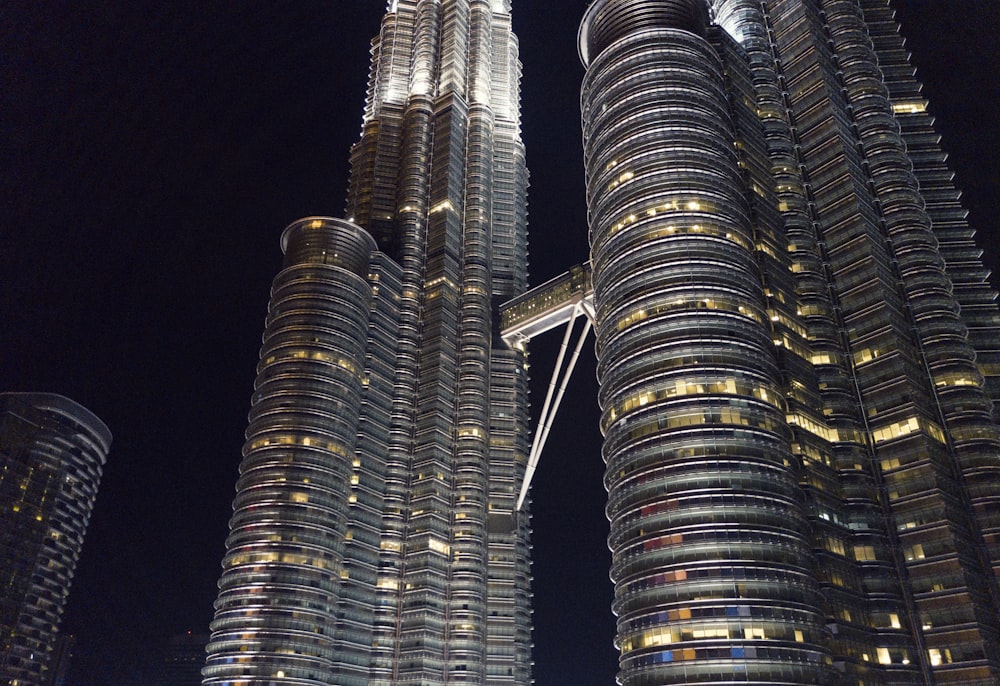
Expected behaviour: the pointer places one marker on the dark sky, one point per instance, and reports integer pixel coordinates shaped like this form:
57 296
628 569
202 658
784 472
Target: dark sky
151 154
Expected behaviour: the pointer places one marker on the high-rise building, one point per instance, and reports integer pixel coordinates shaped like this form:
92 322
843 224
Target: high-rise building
798 352
374 538
52 452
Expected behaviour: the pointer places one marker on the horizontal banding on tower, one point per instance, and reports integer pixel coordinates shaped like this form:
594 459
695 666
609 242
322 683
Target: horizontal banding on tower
607 21
328 240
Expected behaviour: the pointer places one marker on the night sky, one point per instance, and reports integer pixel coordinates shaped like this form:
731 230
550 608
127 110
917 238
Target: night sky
150 156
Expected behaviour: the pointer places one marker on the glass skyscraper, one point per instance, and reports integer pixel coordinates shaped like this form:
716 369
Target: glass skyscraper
798 356
798 351
374 538
52 453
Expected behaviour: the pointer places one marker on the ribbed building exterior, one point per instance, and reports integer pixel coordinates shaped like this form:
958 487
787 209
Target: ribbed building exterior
374 538
52 453
797 352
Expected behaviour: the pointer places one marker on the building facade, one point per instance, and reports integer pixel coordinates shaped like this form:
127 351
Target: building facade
374 538
797 352
52 452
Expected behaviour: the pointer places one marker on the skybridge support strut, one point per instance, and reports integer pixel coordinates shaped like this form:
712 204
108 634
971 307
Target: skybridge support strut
554 395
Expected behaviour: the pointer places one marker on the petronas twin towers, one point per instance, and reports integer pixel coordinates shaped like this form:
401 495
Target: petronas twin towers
798 355
374 538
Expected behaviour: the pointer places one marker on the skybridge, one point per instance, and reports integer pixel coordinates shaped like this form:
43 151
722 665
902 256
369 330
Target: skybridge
555 303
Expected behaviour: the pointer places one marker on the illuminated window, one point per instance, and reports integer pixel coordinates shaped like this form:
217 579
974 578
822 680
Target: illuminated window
864 553
956 379
909 107
890 463
388 584
866 355
814 426
438 546
939 656
835 545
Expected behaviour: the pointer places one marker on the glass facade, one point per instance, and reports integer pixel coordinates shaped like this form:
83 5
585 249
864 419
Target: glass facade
295 597
796 344
52 453
375 536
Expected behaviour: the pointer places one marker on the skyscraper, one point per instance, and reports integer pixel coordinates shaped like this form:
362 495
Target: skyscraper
797 351
374 538
52 452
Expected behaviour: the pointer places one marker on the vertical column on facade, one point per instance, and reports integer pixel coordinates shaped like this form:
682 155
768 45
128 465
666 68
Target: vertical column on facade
428 552
420 551
284 560
411 232
428 543
964 409
388 376
853 546
710 552
420 651
508 620
376 157
466 638
392 58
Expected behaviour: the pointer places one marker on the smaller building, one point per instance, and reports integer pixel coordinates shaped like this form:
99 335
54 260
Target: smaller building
52 452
